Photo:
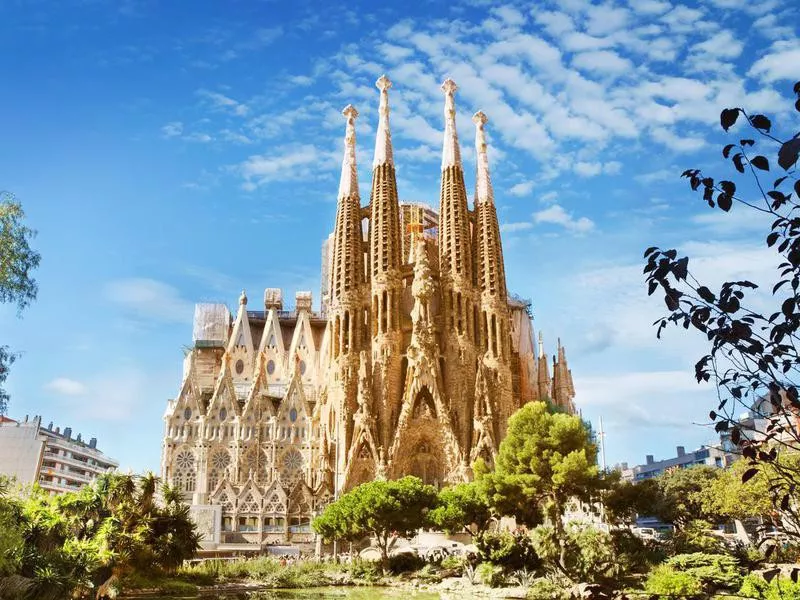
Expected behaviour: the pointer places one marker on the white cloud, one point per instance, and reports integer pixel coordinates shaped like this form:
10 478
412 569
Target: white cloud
301 80
66 387
290 163
555 23
548 197
512 227
721 45
603 61
510 15
591 169
605 19
780 64
173 129
149 300
679 143
650 7
222 101
556 215
523 188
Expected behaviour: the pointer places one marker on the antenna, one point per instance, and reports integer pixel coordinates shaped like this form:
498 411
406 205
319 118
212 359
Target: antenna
602 435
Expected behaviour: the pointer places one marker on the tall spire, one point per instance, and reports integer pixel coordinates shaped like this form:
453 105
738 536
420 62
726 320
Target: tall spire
483 183
348 183
451 154
490 269
346 269
383 139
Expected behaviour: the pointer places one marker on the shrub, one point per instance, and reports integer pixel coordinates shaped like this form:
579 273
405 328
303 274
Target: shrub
589 556
489 574
664 581
453 562
510 551
429 574
404 562
780 588
714 571
634 554
695 537
364 571
545 589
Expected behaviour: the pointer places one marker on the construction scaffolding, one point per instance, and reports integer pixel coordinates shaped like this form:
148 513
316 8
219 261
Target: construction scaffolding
211 324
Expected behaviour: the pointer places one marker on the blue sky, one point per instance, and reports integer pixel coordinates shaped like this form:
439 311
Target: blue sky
170 153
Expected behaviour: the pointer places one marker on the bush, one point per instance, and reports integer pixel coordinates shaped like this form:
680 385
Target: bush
452 562
589 557
634 554
489 574
695 537
780 588
364 571
545 589
664 581
404 562
429 574
507 550
714 571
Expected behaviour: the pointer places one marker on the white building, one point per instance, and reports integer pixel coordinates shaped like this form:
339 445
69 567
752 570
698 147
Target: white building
58 462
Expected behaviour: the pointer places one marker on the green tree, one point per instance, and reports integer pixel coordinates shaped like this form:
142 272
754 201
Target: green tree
383 509
545 459
460 507
625 500
683 493
17 262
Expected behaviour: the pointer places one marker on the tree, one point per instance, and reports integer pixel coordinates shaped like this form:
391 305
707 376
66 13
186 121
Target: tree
682 493
17 261
460 507
383 509
754 357
624 500
545 459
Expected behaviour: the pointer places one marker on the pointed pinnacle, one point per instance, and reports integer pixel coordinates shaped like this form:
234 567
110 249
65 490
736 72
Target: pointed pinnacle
449 86
383 83
350 111
243 298
480 118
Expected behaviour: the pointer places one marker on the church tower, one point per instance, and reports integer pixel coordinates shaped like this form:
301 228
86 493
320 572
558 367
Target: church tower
460 313
386 284
494 319
346 309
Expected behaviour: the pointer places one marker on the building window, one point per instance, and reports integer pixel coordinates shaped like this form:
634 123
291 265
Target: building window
187 413
270 367
239 366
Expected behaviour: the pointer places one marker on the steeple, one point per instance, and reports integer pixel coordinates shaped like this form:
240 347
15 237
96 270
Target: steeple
347 271
451 153
383 139
455 256
490 267
563 387
385 238
385 278
543 378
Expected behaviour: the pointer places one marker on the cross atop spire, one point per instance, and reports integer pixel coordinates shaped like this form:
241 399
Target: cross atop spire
383 138
483 183
348 184
451 154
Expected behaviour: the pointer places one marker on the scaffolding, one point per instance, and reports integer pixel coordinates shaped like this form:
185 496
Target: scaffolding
211 323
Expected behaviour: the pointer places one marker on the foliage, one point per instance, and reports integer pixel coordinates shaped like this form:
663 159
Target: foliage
665 581
489 574
586 554
461 506
17 261
84 540
696 536
633 554
624 500
754 357
404 562
364 571
383 509
695 574
511 551
545 460
779 588
682 495
545 589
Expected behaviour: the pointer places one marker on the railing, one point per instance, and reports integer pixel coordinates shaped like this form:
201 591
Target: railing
299 528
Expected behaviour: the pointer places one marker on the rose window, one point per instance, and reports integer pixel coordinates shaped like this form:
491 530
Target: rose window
184 460
220 460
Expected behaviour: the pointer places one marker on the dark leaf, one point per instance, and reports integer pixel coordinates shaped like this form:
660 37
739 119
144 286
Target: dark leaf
649 251
787 155
747 142
770 574
797 188
778 181
738 162
728 187
727 150
760 162
760 122
651 287
771 239
749 474
706 294
728 117
725 202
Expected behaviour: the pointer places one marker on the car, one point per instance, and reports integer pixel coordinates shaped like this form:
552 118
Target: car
645 533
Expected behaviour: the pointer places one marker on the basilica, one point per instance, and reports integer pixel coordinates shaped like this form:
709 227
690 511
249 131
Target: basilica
413 364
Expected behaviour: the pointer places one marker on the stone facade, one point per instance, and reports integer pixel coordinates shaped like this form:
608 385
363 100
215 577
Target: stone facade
413 366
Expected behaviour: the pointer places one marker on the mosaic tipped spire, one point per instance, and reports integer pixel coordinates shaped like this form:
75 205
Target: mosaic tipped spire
483 181
451 154
383 138
348 184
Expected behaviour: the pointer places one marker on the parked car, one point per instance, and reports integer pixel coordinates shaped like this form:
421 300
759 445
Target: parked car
645 533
